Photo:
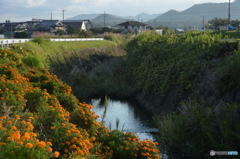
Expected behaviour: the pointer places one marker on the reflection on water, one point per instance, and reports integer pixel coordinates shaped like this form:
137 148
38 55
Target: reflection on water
124 115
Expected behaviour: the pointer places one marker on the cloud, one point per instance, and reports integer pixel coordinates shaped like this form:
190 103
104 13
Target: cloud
93 2
33 3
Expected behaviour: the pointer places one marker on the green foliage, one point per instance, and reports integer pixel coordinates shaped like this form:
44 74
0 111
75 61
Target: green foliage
216 22
125 145
32 61
71 30
228 74
85 34
198 129
60 32
21 35
159 63
39 40
105 30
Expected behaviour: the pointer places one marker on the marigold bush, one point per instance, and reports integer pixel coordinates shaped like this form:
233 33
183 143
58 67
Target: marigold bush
41 118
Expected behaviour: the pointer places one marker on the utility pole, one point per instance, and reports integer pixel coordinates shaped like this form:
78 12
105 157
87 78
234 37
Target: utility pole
155 24
138 18
63 15
104 19
11 30
229 16
51 16
203 21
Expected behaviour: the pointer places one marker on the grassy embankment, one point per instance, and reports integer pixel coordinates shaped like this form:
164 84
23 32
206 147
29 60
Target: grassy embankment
87 66
161 63
41 118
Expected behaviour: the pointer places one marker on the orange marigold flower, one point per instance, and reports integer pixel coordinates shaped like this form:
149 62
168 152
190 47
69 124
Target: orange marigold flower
49 149
10 138
55 154
9 122
52 127
41 144
49 143
73 147
27 136
14 127
20 142
126 148
2 143
3 117
29 145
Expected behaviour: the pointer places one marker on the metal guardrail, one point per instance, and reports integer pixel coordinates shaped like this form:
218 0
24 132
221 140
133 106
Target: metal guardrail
8 42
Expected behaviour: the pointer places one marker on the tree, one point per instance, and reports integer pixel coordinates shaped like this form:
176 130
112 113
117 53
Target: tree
95 30
71 30
59 32
149 27
216 22
164 28
21 35
85 34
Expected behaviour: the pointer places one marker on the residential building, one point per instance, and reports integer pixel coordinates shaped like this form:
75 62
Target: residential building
132 27
78 24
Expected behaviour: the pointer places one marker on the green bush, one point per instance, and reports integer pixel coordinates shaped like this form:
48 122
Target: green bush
32 61
159 63
198 129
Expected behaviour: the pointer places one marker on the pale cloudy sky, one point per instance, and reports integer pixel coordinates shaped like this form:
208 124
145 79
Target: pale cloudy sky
22 10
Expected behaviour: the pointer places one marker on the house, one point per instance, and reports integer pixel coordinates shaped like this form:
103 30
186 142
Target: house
226 28
179 31
132 26
159 31
46 26
78 24
8 28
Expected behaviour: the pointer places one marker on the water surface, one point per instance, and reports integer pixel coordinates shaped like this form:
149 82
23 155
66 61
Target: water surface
124 115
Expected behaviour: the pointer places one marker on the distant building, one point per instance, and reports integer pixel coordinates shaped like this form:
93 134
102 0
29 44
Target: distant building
78 24
46 26
226 28
132 26
179 31
159 31
42 26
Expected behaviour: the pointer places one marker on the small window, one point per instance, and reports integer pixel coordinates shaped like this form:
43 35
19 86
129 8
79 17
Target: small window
133 27
126 27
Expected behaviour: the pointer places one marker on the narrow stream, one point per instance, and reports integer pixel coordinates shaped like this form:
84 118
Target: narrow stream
125 115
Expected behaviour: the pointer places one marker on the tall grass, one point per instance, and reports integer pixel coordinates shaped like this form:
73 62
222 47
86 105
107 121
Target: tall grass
198 129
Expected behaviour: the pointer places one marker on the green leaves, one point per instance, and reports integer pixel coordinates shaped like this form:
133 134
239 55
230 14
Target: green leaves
160 62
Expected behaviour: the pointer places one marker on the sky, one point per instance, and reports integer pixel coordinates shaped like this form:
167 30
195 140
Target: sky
25 10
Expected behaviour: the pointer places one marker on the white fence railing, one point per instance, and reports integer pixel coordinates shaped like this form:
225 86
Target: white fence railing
8 42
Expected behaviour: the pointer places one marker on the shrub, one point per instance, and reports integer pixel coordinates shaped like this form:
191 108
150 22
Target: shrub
198 129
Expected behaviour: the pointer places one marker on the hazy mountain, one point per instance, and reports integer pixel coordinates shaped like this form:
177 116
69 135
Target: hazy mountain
198 14
143 17
83 17
110 20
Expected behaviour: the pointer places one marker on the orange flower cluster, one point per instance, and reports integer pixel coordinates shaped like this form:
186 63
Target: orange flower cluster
14 131
35 101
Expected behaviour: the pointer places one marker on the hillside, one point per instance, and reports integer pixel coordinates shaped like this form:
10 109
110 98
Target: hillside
195 15
110 20
83 17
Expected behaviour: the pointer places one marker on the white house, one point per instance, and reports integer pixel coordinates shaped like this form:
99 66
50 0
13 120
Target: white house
132 26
